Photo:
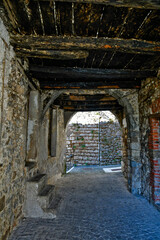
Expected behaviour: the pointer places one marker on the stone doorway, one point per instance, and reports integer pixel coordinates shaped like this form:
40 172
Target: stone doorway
93 138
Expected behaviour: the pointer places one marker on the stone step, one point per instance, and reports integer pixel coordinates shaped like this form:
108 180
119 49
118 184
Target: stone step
37 182
55 202
54 205
45 196
38 197
37 178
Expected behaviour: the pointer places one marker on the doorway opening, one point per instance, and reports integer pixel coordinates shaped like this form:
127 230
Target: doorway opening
93 138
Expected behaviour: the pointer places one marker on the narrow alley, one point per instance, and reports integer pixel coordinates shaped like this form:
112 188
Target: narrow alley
59 58
93 204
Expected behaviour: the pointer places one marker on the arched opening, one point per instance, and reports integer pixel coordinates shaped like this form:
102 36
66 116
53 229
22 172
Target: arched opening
93 138
124 105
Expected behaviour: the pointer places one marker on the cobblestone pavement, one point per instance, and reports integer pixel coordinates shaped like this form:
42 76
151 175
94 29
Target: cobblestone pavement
94 206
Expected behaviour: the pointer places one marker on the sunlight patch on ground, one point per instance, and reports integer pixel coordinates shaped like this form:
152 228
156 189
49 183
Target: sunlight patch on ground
112 169
95 168
70 170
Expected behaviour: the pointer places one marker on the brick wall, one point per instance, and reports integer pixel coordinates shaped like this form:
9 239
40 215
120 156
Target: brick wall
83 145
149 99
154 148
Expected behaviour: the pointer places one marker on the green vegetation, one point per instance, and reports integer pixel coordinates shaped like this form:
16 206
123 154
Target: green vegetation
83 145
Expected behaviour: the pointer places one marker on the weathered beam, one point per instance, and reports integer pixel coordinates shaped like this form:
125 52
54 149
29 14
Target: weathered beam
82 103
93 73
94 108
52 54
86 98
12 14
22 43
110 84
147 4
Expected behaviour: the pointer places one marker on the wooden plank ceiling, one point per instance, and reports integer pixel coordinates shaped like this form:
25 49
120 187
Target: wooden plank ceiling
86 44
86 102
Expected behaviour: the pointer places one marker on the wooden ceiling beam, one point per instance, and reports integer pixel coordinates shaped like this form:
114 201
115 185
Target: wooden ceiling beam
92 108
145 4
12 12
93 73
111 84
86 98
25 45
52 54
84 103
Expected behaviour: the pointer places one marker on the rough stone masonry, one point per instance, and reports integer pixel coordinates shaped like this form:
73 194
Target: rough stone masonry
13 122
94 144
25 146
17 162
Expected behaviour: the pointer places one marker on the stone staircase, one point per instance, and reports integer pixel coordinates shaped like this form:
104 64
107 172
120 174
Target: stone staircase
38 197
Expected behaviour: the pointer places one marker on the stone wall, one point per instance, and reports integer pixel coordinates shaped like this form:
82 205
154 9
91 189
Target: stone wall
55 164
15 130
125 147
149 105
94 143
13 134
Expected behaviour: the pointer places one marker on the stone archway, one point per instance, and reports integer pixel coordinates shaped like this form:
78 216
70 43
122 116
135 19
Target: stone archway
129 100
130 120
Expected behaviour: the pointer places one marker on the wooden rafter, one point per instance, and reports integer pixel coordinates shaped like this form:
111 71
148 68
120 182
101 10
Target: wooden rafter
11 12
82 103
89 84
92 108
147 4
52 54
41 17
26 44
94 73
86 98
87 102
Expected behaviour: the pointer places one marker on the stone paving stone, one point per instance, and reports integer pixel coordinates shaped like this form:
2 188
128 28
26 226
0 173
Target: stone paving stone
94 206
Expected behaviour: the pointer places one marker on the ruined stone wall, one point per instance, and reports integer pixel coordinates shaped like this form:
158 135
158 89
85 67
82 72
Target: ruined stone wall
149 105
94 143
13 134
